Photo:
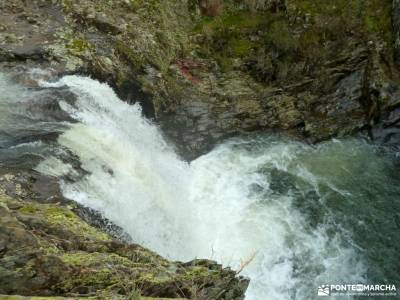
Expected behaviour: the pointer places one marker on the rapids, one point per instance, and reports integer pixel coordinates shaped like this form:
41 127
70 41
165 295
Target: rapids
297 216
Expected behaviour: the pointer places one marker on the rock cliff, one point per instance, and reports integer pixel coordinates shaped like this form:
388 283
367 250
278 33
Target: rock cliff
47 249
205 70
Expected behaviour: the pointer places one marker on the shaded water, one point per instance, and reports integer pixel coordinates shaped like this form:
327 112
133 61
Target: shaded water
309 215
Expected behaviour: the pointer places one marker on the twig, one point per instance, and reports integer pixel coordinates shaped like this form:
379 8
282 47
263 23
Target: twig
246 262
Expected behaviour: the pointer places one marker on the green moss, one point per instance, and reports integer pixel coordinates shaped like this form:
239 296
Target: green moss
234 20
278 35
378 19
67 5
110 271
223 22
283 46
343 17
59 212
99 279
79 45
240 47
135 59
28 209
135 4
224 62
97 269
96 259
240 34
67 219
197 272
310 44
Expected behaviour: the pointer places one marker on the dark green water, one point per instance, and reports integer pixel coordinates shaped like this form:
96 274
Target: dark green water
324 214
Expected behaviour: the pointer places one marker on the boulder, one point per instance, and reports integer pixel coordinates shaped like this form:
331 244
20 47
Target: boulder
46 249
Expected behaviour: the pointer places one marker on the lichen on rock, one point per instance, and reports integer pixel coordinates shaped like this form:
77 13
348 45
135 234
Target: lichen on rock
47 250
204 71
336 63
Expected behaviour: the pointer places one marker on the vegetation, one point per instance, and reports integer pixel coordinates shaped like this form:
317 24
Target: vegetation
271 43
67 256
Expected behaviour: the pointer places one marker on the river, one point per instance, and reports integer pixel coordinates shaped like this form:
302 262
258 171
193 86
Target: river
292 216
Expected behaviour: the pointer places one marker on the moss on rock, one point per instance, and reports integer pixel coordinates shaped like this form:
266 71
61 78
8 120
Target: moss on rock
46 249
172 58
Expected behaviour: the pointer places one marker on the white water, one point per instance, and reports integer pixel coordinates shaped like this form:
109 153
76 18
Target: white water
221 206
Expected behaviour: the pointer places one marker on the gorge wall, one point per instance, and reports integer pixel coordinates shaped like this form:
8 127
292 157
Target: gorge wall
205 70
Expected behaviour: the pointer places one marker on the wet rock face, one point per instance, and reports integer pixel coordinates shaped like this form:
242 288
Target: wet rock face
204 70
27 28
387 131
46 249
396 28
207 70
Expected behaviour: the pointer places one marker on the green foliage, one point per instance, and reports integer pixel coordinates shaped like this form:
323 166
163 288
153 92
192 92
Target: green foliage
135 4
237 21
245 35
134 295
240 47
279 36
281 46
343 17
378 19
227 36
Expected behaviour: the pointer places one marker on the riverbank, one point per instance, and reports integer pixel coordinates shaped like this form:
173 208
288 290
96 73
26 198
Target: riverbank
202 74
278 209
46 249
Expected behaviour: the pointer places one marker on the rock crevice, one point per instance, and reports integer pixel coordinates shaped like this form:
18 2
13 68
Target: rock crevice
293 66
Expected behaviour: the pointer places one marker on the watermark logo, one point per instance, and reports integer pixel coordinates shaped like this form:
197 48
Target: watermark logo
357 290
323 290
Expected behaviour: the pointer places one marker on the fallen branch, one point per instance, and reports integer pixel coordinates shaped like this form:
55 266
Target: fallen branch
246 262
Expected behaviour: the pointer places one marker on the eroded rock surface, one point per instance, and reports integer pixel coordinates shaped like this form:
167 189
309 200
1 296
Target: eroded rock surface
206 70
47 250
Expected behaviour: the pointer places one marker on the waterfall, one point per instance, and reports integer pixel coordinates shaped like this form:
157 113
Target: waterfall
281 209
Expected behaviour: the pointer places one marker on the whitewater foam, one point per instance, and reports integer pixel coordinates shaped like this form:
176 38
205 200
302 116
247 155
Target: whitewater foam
235 202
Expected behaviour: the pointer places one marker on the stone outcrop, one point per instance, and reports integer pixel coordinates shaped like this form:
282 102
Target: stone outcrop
310 69
204 71
396 28
46 249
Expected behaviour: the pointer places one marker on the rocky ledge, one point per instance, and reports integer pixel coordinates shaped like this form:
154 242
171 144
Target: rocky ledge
204 70
47 250
209 69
